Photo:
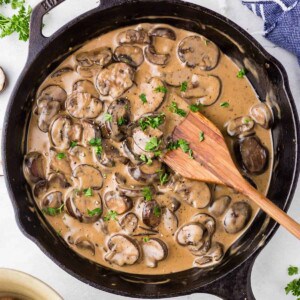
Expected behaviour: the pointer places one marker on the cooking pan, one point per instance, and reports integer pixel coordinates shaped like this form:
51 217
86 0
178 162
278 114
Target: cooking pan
230 279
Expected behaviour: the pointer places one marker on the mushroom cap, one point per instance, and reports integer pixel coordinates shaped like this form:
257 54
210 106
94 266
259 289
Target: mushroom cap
34 167
99 56
190 234
262 114
132 36
132 55
154 250
120 204
239 126
88 177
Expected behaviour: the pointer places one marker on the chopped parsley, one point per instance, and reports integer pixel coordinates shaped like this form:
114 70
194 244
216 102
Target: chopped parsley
161 89
146 159
95 212
111 215
241 73
157 211
52 211
183 145
224 104
121 121
246 120
196 107
175 109
153 144
73 144
294 288
201 136
88 192
146 239
107 117
143 98
183 86
147 193
60 155
163 178
153 122
292 270
97 144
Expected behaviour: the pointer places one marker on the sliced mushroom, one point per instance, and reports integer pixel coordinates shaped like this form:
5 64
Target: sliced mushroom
40 188
119 110
58 164
46 111
129 223
52 93
85 86
170 221
86 209
190 234
63 132
218 207
128 151
144 172
212 257
252 155
34 167
237 217
206 89
156 58
61 72
79 155
110 155
120 204
115 80
131 55
195 193
58 180
154 250
132 36
262 114
133 191
123 250
88 72
88 177
52 200
84 243
207 221
163 32
198 51
151 213
99 56
169 200
90 131
177 77
2 80
239 126
119 178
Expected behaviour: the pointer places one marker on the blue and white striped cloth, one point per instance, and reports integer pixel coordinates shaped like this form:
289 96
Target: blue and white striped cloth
282 22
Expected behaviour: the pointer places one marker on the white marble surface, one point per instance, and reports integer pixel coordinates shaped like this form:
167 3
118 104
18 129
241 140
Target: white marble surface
269 274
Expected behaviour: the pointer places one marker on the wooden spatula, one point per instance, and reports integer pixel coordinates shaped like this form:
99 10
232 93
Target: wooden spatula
213 163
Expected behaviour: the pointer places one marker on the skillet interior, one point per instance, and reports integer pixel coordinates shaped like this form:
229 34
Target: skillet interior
270 82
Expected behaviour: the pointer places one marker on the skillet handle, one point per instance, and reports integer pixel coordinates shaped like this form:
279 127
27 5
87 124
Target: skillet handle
235 286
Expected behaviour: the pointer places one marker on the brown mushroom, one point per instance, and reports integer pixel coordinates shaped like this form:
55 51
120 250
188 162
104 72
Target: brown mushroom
79 155
132 36
155 58
90 131
40 188
129 223
60 162
53 200
115 202
212 257
61 72
84 243
131 55
34 167
154 250
151 213
85 86
127 147
163 32
52 93
177 77
170 221
219 205
190 234
240 126
196 50
88 177
262 114
146 173
100 56
2 80
169 200
133 191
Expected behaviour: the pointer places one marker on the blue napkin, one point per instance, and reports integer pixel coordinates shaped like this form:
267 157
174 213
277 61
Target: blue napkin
282 22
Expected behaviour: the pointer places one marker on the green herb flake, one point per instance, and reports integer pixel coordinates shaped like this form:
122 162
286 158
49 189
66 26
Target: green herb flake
182 144
146 159
58 232
147 193
157 153
224 104
157 211
73 144
294 288
88 192
153 122
52 211
153 144
201 136
246 120
241 73
161 89
143 98
107 117
146 239
97 144
183 86
175 109
95 212
163 178
292 270
121 121
60 155
111 215
196 107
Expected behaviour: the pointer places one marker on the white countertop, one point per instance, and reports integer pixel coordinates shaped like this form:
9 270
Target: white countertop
269 275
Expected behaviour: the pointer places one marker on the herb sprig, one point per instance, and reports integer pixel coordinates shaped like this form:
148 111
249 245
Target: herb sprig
175 109
183 145
153 122
293 287
52 211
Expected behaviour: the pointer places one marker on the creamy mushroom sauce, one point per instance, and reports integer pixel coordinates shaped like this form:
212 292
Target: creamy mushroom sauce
95 99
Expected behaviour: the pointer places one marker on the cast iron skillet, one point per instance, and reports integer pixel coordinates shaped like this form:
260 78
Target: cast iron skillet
231 279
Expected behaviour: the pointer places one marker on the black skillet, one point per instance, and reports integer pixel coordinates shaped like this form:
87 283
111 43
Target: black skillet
231 279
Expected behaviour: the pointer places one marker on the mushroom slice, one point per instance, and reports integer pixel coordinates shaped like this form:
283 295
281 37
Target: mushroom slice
79 155
133 191
154 250
119 178
40 188
52 200
46 111
85 86
196 51
218 207
83 105
156 58
119 110
195 193
2 80
34 167
129 223
131 55
99 56
88 177
123 250
115 80
83 243
58 164
170 221
237 217
110 155
206 89
168 200
90 131
207 221
132 36
52 93
120 204
85 208
176 78
163 32
63 132
262 114
61 72
151 213
144 172
239 126
128 151
212 257
252 155
190 234
58 180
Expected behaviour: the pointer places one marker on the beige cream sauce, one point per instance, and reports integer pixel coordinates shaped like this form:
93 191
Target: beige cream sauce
240 95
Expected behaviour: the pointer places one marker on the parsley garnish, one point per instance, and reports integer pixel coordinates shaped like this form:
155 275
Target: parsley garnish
246 120
196 107
163 178
224 104
121 121
153 122
241 73
111 215
97 144
60 155
143 98
94 212
147 193
157 211
51 211
183 86
201 136
175 109
146 239
292 270
107 117
160 89
73 144
293 287
182 144
88 192
153 144
146 159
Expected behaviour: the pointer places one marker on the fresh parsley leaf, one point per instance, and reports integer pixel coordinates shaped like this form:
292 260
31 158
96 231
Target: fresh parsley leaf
111 215
88 192
97 144
292 270
206 42
95 212
58 232
175 109
183 86
143 98
224 104
241 73
201 136
246 120
73 144
163 178
161 89
157 153
14 3
146 159
147 193
153 122
293 287
107 117
146 239
52 211
121 121
196 107
153 144
191 153
182 144
157 211
60 155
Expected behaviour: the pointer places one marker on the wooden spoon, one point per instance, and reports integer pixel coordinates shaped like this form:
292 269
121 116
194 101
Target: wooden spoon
213 163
